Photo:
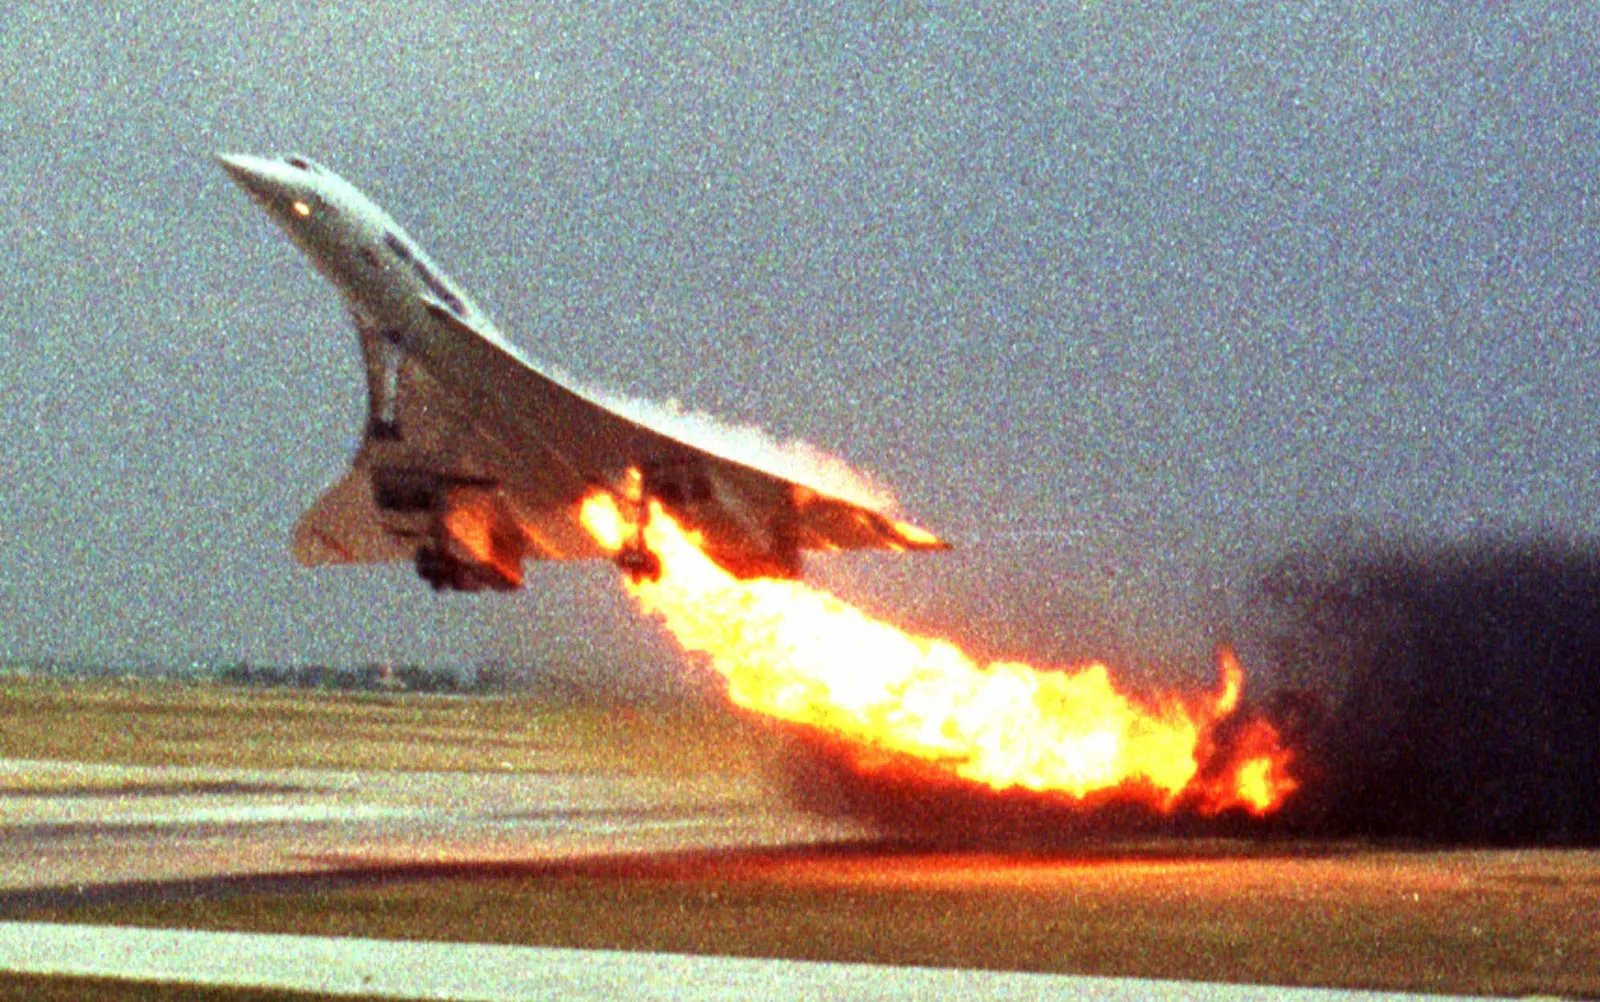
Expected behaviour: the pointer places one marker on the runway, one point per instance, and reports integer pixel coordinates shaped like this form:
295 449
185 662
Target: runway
75 835
71 829
472 971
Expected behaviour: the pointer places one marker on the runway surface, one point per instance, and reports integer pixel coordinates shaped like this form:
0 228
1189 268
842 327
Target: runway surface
67 829
505 973
72 833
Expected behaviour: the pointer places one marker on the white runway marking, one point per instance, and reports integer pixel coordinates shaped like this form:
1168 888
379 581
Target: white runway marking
412 970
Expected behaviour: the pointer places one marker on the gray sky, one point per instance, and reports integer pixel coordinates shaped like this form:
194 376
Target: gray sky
1173 287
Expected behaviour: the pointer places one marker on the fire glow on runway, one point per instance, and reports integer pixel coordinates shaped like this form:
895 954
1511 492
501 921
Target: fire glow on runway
801 655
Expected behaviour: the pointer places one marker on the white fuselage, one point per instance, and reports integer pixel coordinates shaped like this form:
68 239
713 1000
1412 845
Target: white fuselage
383 275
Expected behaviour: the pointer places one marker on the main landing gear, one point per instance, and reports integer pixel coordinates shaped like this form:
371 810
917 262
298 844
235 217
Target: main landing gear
639 563
635 558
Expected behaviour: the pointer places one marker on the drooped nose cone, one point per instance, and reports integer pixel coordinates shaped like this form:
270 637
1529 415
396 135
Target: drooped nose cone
256 175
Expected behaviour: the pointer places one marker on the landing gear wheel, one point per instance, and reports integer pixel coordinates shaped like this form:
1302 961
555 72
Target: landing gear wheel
383 430
431 567
639 564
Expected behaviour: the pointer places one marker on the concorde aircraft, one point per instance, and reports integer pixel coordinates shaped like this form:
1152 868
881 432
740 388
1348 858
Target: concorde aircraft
474 460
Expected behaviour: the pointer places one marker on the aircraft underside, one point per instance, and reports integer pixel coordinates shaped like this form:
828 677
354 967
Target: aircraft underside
467 535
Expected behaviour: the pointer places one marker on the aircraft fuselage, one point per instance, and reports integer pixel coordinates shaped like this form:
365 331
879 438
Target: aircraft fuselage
474 459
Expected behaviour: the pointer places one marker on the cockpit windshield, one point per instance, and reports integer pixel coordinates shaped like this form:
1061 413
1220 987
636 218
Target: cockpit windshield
434 284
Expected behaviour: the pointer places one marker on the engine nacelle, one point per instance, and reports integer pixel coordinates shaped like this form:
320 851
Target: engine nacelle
469 539
408 492
445 572
747 537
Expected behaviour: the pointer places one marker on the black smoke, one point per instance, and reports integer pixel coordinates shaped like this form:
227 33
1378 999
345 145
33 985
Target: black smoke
1449 692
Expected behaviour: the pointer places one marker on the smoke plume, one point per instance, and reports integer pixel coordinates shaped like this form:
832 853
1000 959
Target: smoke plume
1448 692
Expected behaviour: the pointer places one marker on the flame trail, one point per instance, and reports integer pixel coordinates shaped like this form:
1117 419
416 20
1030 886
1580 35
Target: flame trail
802 655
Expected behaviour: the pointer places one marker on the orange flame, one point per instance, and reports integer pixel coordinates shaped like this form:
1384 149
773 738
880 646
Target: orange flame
798 654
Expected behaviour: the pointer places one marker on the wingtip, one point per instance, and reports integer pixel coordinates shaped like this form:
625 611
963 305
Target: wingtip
917 538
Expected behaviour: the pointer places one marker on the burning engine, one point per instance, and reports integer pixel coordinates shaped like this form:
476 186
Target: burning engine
436 566
469 539
730 531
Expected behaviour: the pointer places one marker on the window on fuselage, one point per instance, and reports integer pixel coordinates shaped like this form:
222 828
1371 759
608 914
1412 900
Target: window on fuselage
440 291
434 284
397 245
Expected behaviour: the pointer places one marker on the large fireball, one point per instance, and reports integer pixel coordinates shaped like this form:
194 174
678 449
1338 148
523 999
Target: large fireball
799 654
